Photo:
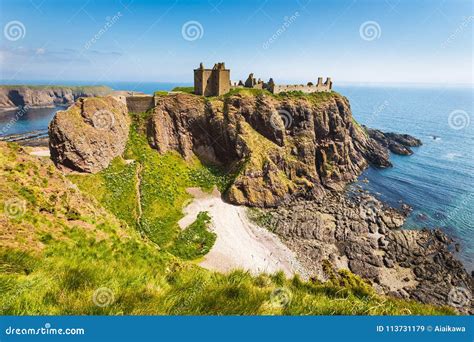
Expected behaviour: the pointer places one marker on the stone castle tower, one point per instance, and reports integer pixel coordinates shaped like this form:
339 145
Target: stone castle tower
212 82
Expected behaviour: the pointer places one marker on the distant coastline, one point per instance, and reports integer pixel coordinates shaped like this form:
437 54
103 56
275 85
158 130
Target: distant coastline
45 96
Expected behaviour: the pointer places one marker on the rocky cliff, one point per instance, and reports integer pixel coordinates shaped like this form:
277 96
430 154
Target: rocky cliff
12 97
276 146
88 135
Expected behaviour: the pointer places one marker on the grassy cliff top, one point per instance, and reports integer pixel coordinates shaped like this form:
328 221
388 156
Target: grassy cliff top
312 97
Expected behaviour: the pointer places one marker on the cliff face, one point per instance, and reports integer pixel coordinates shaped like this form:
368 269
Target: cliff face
44 96
280 146
276 146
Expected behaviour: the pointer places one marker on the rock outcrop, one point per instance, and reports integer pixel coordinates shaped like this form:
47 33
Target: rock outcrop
88 135
12 97
361 234
276 146
396 143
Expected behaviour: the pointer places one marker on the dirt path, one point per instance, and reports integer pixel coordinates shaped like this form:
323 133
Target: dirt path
138 184
239 243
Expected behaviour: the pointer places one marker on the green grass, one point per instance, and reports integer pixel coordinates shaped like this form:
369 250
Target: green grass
196 240
114 188
137 279
188 90
261 218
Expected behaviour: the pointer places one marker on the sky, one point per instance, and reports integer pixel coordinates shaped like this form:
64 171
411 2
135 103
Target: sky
352 41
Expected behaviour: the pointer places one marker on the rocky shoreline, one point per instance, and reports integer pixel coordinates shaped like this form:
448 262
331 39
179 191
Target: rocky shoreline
38 138
364 235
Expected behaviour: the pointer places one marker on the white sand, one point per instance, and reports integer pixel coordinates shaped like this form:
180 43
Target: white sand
240 243
40 153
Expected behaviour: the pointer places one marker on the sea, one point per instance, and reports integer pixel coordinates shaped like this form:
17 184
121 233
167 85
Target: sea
437 181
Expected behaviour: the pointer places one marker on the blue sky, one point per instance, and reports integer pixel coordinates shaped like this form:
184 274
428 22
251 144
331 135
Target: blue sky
395 41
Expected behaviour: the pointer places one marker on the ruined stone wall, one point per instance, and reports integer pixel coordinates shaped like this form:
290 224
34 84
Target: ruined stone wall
140 104
204 83
278 88
223 82
211 82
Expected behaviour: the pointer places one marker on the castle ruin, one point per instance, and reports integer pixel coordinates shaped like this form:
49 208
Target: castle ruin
216 81
212 82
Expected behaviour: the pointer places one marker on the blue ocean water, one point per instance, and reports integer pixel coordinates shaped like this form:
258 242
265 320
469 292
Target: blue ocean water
437 180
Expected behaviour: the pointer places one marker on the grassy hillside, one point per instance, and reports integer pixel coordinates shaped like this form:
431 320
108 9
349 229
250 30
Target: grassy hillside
114 247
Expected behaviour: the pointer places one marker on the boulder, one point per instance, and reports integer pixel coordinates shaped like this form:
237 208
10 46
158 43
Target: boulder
89 134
